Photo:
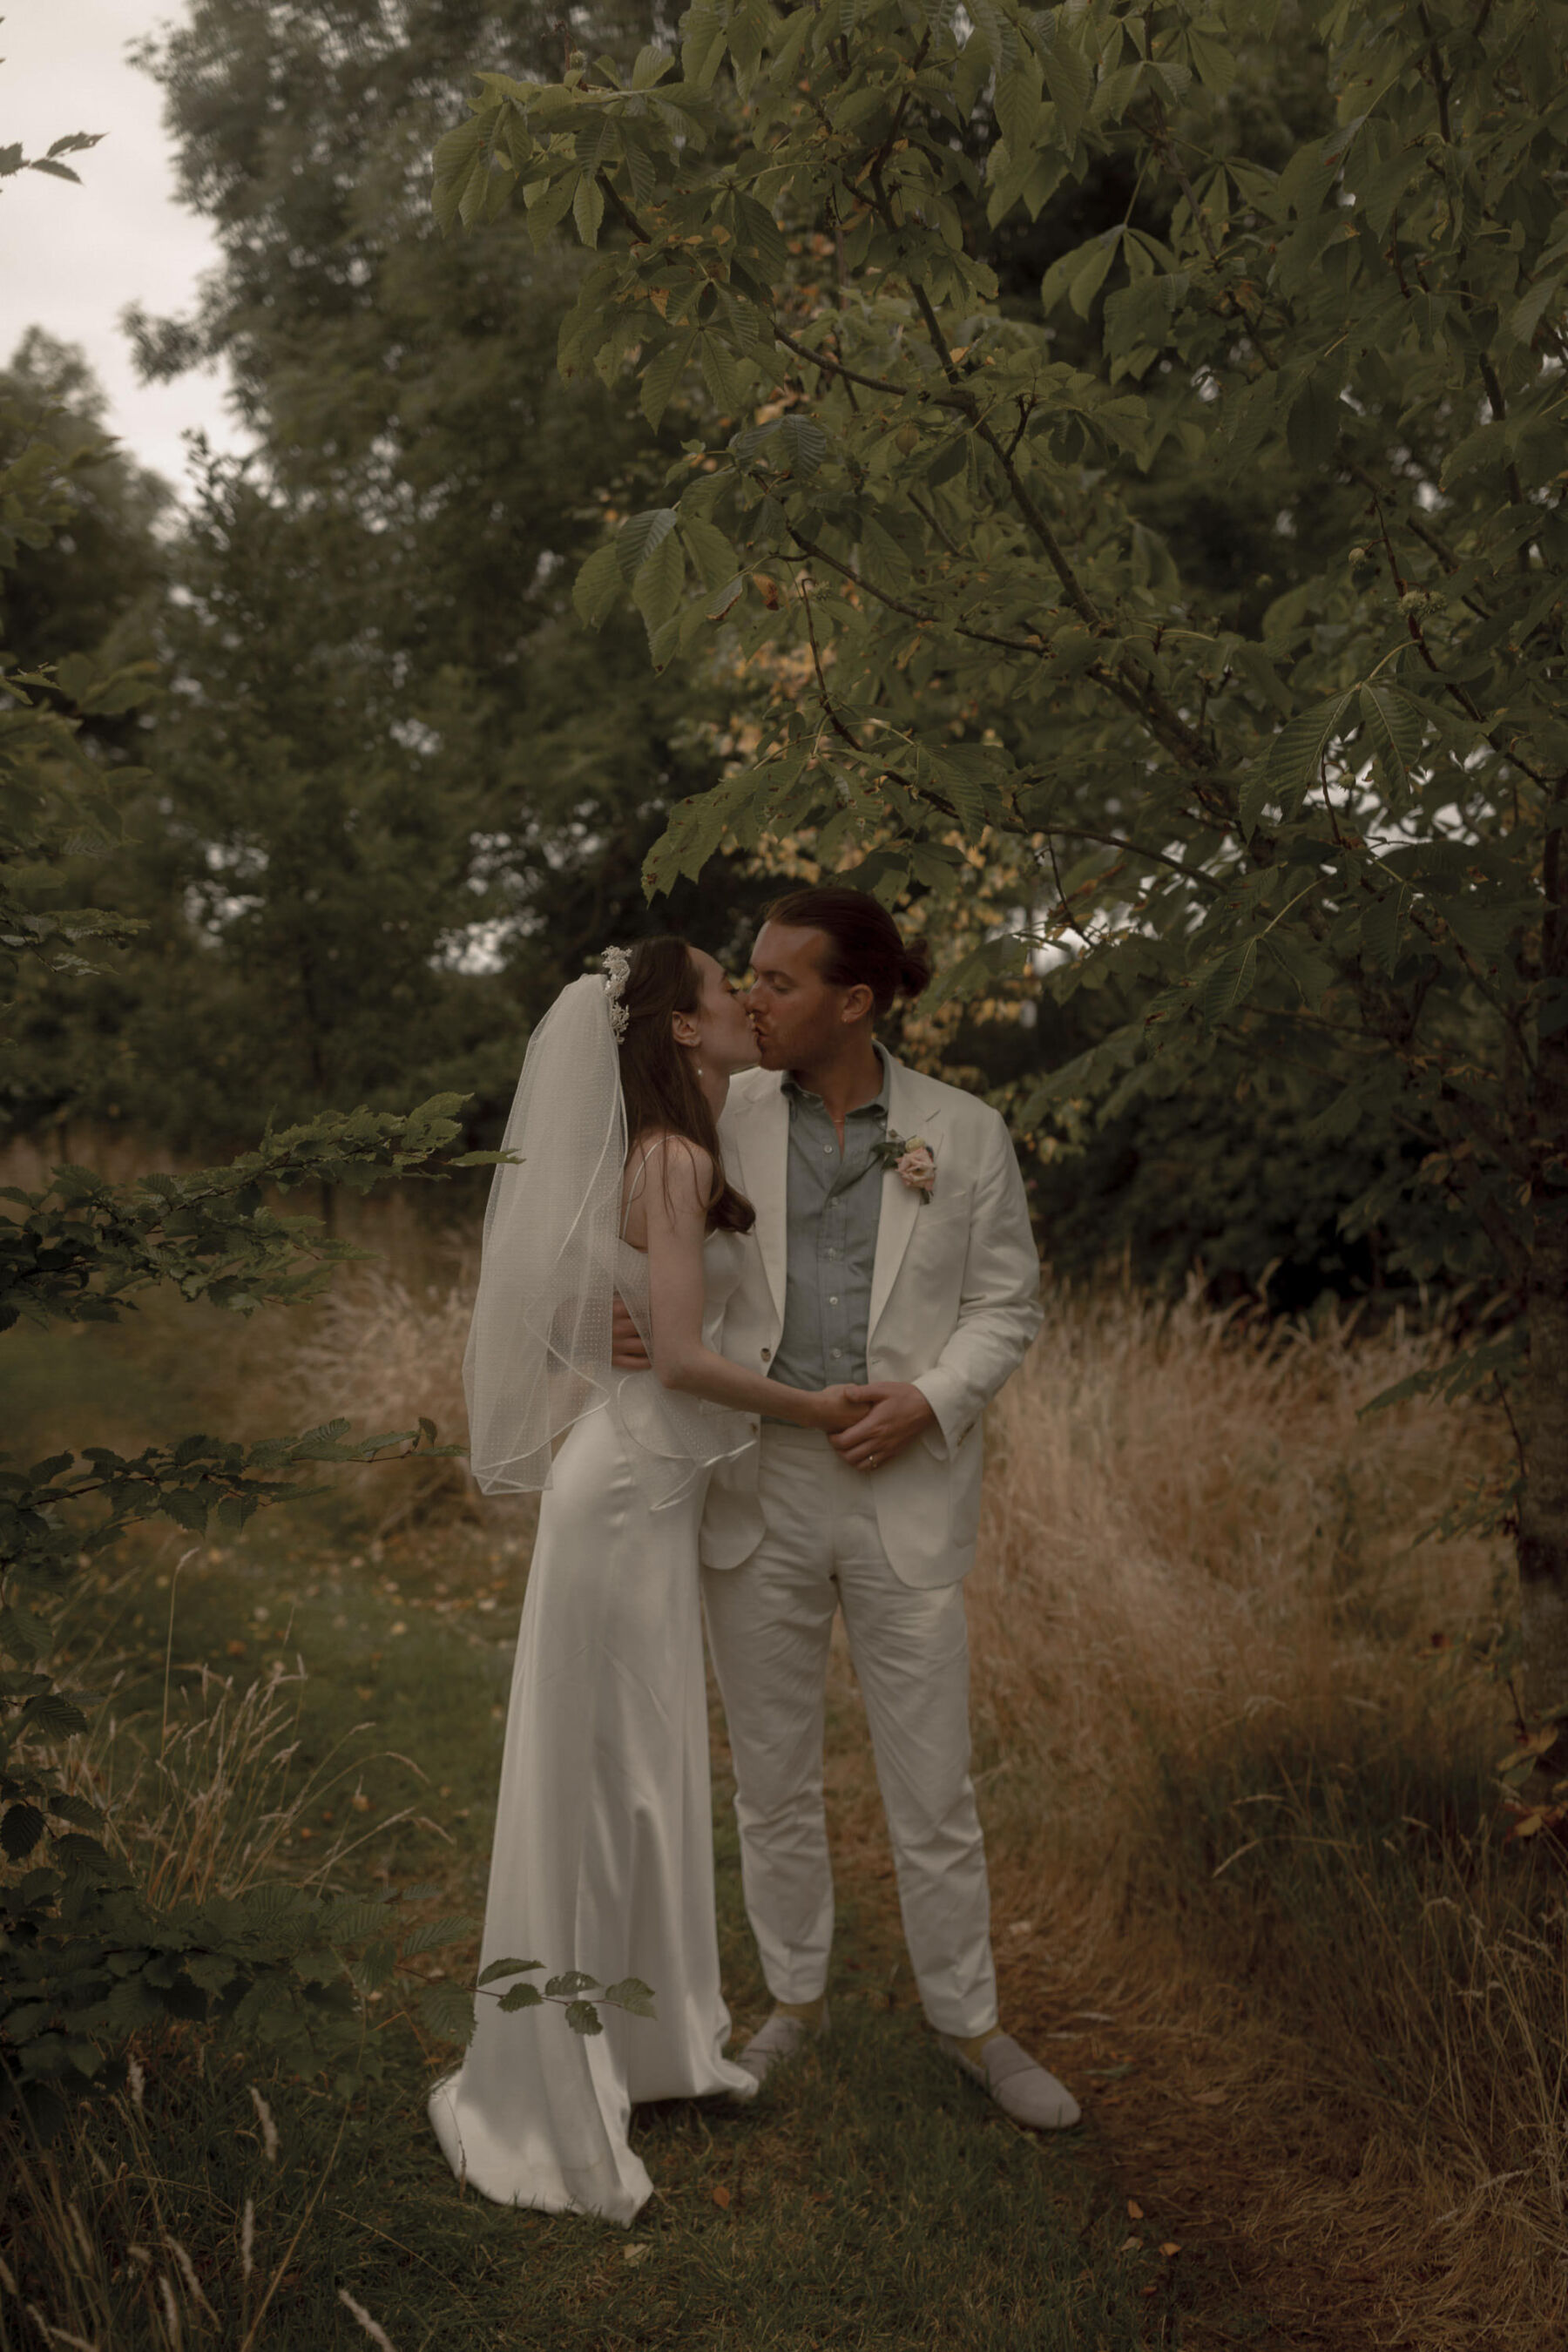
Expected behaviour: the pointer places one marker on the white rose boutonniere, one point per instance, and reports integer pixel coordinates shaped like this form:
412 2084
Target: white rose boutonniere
912 1160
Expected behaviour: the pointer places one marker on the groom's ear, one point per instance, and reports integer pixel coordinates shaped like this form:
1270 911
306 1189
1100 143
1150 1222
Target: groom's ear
858 1003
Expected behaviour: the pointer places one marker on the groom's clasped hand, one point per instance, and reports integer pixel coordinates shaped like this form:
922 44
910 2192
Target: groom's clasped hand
888 1415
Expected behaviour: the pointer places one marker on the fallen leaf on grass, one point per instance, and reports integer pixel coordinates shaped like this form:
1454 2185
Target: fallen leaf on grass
1130 2246
721 2197
636 2253
1209 2098
1134 2210
1170 2247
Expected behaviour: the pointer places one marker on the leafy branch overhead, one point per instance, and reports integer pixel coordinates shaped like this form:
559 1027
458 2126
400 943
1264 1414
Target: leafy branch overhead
924 498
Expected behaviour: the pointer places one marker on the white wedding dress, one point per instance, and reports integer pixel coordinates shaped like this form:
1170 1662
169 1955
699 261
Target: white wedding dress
603 1858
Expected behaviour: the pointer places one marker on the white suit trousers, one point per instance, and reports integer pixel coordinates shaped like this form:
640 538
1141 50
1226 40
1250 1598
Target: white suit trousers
770 1621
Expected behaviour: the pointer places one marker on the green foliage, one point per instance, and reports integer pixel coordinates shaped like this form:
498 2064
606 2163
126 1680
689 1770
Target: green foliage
75 142
89 1965
87 1962
53 801
85 1246
1324 829
400 796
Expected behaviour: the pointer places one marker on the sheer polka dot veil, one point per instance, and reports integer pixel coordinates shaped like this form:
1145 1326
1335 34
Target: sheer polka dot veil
537 1355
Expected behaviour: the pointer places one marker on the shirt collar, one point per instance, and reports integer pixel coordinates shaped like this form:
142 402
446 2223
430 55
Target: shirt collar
878 1104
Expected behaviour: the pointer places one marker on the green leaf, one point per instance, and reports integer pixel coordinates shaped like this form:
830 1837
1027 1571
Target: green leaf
1310 972
1018 106
588 208
1382 927
1397 727
652 64
520 1996
23 1635
632 1995
760 235
437 1934
1212 62
1088 281
709 550
793 444
1298 751
1528 312
449 2012
598 587
657 590
1227 984
21 1827
638 536
662 375
51 1710
507 1968
584 2018
185 1509
1070 82
723 374
572 1980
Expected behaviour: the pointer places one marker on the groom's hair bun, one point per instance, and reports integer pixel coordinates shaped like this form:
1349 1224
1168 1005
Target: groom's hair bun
864 949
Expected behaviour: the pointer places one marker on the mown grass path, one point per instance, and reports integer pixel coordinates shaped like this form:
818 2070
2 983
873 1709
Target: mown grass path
871 2201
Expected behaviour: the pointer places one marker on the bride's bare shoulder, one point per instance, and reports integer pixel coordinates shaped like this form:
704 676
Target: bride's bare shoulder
677 1156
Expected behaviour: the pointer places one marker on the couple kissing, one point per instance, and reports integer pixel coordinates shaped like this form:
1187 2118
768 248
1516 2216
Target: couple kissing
746 1293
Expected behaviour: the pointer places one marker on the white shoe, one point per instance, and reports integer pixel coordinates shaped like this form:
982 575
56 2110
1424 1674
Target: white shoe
782 2037
1019 2083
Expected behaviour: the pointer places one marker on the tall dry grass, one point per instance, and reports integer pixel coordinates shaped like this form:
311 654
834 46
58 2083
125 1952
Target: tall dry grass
202 1796
385 1348
1244 1723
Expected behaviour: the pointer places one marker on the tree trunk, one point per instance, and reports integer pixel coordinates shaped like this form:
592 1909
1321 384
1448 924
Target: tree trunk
1543 1509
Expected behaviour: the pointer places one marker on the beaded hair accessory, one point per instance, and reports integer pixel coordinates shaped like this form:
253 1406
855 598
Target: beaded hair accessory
618 965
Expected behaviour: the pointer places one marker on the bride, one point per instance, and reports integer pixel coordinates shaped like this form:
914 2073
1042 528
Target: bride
603 1858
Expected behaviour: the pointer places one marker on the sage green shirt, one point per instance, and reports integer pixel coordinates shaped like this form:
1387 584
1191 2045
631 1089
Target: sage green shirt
834 1206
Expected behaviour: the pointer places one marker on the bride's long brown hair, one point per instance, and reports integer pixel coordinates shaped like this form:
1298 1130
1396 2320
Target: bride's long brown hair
657 1077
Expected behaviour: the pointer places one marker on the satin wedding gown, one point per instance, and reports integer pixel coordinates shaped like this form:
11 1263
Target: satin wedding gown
603 1858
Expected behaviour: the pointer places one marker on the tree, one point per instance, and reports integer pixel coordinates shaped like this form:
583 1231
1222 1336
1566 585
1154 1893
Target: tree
1328 831
399 798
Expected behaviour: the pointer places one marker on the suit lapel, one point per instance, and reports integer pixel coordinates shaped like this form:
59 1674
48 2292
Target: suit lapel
902 1205
761 1128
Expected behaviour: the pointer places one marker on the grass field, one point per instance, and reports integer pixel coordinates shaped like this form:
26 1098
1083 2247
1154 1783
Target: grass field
873 2199
1251 1899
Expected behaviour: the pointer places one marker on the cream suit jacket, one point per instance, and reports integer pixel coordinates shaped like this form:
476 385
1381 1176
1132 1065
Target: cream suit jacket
954 1304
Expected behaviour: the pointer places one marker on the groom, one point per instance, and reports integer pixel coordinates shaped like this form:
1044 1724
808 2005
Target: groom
892 1251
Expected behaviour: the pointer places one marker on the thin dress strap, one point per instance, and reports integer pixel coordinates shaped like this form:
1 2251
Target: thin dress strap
637 1183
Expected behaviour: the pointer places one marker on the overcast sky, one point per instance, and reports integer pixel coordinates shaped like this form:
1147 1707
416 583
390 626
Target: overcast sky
72 258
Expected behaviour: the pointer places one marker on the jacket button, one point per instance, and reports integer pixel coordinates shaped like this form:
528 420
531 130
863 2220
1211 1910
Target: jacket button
766 1353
